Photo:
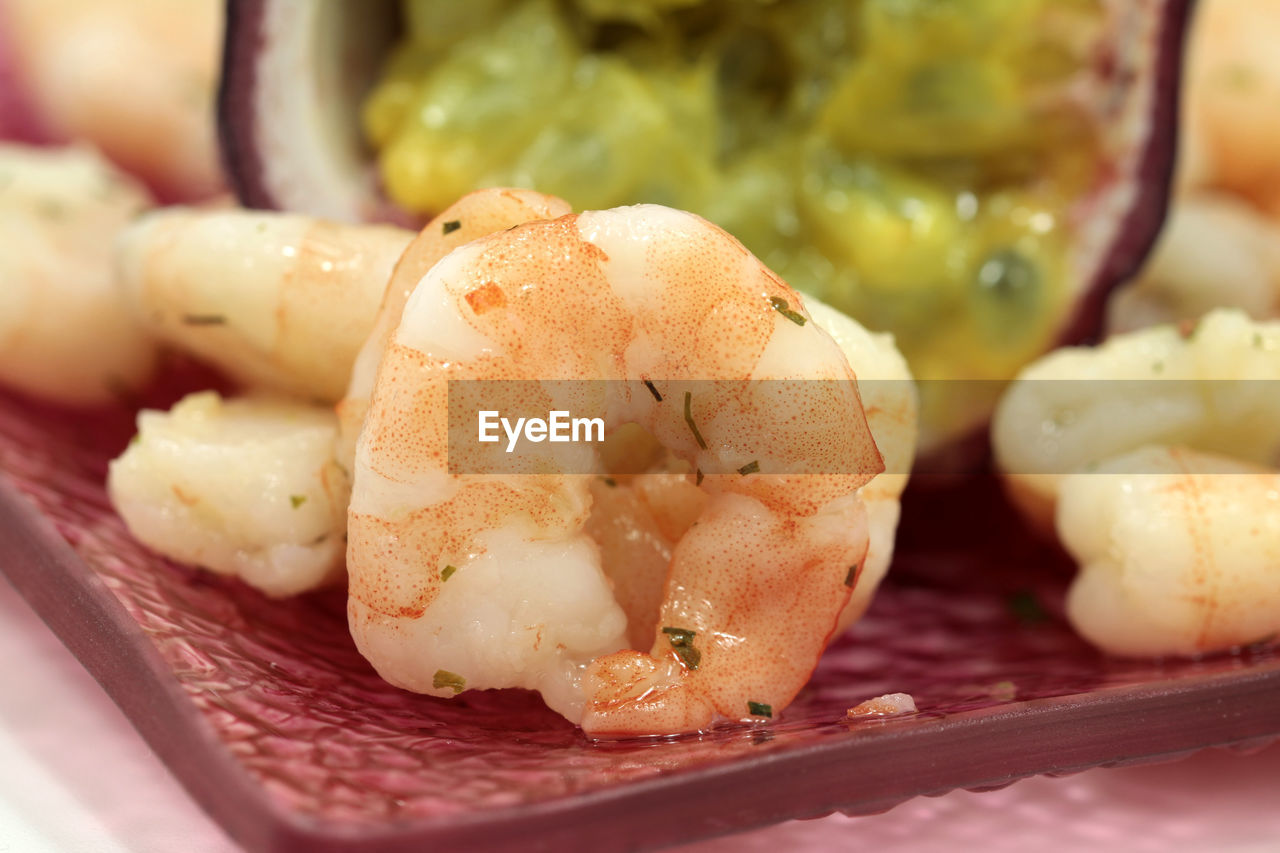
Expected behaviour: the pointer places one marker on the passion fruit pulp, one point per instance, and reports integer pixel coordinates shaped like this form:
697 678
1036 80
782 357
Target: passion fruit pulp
972 175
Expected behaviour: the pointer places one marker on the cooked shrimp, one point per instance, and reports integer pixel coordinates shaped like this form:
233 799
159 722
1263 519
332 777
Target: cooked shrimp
461 581
474 215
279 301
1215 252
637 520
134 77
247 488
65 333
1231 113
1079 407
1178 552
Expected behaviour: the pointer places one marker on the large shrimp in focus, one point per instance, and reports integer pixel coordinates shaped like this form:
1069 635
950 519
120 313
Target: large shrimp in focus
462 581
637 521
474 215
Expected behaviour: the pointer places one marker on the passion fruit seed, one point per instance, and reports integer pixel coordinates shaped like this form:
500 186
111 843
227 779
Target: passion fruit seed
1008 295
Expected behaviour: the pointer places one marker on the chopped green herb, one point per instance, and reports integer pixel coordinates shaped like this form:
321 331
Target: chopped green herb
1257 340
698 478
204 319
296 501
682 641
1026 608
450 226
1005 691
447 572
653 390
679 636
689 656
852 577
780 305
759 709
1158 367
261 228
750 468
451 680
688 418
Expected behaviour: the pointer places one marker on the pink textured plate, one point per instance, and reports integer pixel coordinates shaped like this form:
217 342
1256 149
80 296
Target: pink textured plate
267 714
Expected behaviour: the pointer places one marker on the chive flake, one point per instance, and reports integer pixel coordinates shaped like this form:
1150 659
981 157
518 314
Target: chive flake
688 418
698 479
1257 340
447 572
780 305
450 226
451 680
689 656
204 319
682 641
750 468
653 390
852 577
296 501
759 709
679 636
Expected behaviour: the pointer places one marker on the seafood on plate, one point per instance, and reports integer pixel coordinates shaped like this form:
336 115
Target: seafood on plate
463 581
474 215
66 334
1231 121
1216 251
1221 244
1179 552
540 585
1153 457
245 487
280 302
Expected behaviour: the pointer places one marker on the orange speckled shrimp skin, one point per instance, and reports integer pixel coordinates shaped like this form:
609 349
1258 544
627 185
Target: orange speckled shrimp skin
474 215
462 581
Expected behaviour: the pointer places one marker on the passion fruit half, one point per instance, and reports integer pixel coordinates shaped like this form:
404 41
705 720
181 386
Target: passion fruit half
972 175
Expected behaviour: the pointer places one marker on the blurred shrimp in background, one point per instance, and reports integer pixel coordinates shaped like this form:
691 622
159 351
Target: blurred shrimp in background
134 78
1221 244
